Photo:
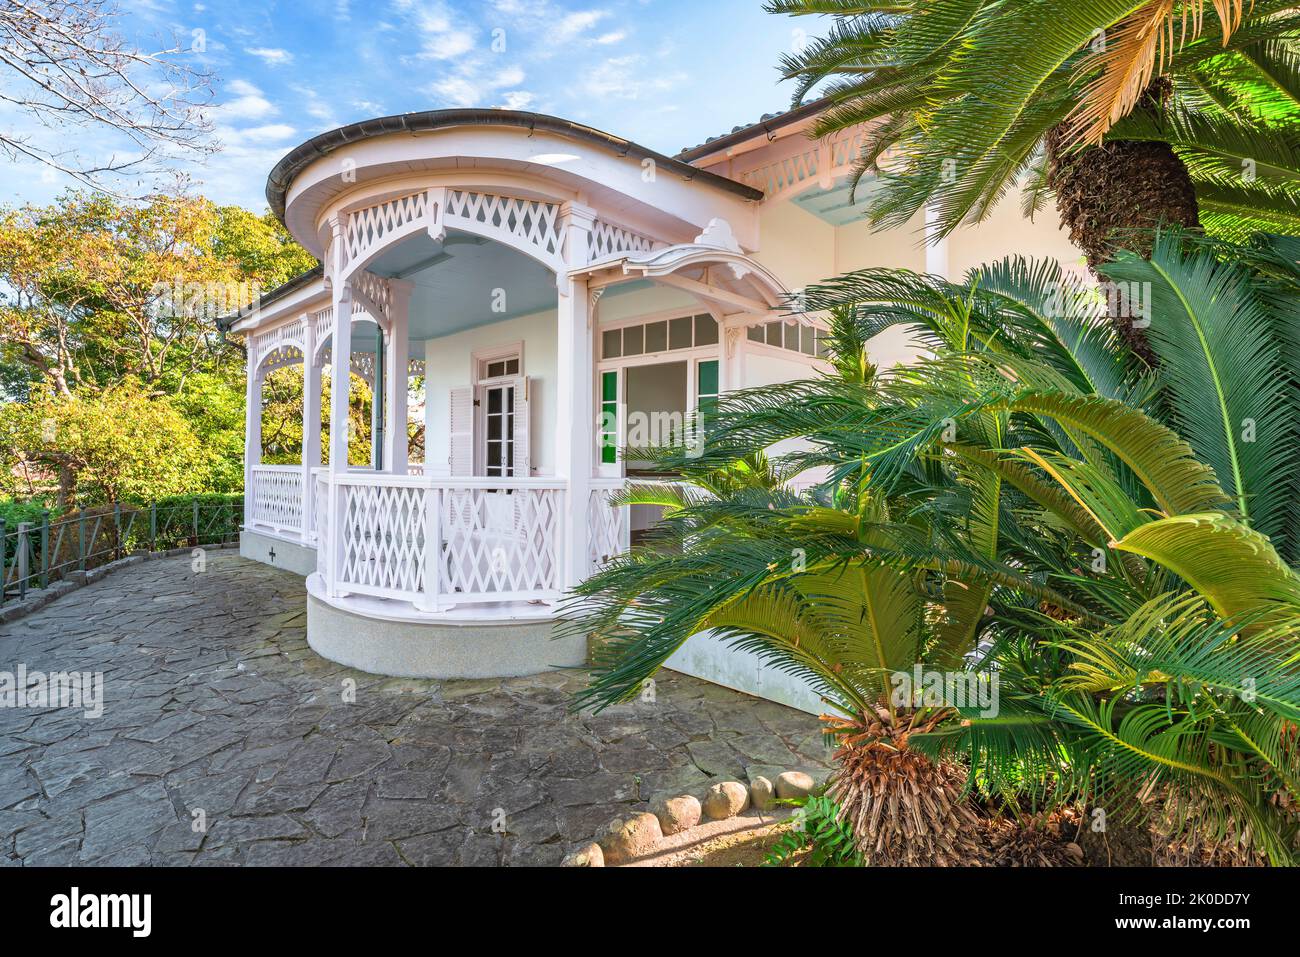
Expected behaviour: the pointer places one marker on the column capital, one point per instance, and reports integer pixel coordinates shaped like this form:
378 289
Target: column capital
578 214
401 290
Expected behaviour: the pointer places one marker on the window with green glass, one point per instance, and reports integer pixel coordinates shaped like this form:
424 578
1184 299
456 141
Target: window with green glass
609 418
706 390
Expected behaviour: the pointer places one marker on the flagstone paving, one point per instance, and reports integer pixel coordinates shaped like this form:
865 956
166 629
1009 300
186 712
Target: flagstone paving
216 712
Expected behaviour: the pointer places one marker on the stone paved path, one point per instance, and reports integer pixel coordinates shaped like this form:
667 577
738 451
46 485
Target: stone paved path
214 702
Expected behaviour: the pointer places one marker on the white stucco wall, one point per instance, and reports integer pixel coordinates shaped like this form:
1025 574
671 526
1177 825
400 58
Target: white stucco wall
614 307
448 365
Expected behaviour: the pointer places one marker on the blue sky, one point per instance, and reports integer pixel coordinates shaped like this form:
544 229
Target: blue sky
666 73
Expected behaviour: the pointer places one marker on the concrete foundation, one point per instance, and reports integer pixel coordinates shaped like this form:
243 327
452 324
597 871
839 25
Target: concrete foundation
272 550
705 656
470 648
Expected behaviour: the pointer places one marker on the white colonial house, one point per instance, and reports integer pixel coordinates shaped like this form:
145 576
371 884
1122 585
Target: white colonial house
538 289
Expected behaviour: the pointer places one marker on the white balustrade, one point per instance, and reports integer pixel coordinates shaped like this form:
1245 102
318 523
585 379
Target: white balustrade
277 497
441 542
609 528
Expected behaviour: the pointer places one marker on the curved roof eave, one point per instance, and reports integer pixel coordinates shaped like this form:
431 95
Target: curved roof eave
282 176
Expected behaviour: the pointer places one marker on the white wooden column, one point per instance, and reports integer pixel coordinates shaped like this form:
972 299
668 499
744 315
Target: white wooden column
340 390
396 383
311 386
575 424
340 376
252 428
378 394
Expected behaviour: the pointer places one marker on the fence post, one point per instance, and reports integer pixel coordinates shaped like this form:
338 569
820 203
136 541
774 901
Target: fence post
45 548
81 539
153 526
117 530
196 523
24 534
3 577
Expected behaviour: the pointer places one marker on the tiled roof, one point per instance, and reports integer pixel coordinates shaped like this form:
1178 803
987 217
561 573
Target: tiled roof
735 129
769 120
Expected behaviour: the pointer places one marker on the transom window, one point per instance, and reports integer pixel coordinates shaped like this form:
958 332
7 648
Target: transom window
500 368
788 335
663 335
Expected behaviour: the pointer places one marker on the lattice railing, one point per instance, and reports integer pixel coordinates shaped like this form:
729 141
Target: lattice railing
383 530
609 528
533 222
322 327
606 239
790 173
846 148
275 499
444 542
374 295
282 345
373 227
823 160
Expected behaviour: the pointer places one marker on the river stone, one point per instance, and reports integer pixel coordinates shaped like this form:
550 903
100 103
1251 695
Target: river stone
589 856
793 784
762 793
678 814
630 839
725 800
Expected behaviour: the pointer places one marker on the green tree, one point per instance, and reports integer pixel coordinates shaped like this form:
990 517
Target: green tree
100 293
260 245
115 445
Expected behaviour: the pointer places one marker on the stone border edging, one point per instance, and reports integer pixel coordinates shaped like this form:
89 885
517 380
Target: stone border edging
14 609
625 840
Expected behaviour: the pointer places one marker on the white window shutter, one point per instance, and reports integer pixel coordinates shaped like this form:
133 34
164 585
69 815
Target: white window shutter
523 453
461 459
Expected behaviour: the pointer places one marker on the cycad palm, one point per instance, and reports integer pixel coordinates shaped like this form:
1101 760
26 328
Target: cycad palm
1015 493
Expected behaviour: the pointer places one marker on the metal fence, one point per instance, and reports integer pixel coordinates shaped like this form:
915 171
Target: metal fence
35 553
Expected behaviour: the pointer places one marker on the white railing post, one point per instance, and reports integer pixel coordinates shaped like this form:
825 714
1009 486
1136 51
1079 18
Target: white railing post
432 550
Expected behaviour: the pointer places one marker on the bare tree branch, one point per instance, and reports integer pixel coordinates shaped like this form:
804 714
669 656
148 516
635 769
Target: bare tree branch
64 63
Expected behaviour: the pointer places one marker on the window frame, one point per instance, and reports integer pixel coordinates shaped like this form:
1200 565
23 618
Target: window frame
480 359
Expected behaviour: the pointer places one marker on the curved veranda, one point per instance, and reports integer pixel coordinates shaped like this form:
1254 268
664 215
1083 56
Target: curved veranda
532 295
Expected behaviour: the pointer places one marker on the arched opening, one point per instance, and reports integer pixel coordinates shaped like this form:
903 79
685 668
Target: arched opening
481 332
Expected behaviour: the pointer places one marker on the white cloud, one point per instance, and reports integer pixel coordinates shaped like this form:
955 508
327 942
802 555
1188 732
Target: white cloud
268 133
271 56
249 103
518 100
573 25
616 36
623 78
445 46
456 90
317 107
441 39
475 84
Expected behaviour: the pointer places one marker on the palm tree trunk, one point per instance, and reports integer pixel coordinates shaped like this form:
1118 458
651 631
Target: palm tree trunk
1113 196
